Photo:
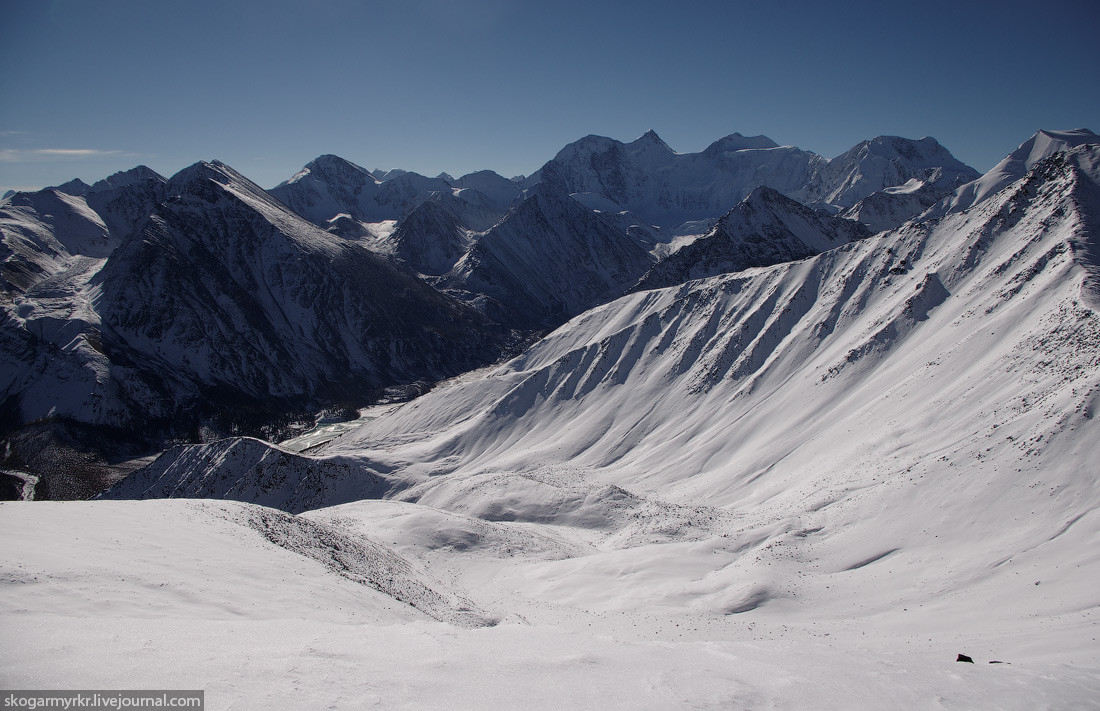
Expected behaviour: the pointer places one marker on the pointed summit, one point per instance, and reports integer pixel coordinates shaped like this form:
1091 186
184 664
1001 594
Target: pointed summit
650 140
329 168
214 170
75 187
128 177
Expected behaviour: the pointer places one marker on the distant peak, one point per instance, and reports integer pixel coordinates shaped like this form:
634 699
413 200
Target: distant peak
330 168
764 193
1070 133
384 175
76 187
650 138
128 177
329 163
214 170
764 197
738 142
591 142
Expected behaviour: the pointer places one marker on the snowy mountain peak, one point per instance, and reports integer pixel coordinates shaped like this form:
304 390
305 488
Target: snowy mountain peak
215 171
738 142
127 177
1046 142
383 175
763 195
76 187
498 188
1043 144
648 140
887 161
668 189
331 168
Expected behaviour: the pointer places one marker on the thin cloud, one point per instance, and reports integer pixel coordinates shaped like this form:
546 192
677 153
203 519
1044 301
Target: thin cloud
76 152
14 155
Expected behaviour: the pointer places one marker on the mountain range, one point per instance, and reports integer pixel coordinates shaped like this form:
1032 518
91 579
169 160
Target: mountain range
143 311
744 428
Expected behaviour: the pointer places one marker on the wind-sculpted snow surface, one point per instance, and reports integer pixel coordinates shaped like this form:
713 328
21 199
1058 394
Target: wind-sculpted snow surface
238 560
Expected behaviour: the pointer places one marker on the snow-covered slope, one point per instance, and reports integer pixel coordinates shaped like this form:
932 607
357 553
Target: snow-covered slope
251 471
1014 166
236 560
765 228
40 233
894 206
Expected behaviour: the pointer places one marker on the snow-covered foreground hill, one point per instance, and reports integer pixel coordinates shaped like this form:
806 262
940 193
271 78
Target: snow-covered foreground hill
266 610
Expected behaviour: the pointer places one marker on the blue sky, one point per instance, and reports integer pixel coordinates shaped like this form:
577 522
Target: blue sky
89 87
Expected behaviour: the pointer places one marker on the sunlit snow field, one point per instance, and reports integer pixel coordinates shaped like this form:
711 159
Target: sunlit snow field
184 594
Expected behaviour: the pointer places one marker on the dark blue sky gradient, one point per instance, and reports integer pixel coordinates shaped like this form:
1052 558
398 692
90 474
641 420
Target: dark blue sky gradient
457 86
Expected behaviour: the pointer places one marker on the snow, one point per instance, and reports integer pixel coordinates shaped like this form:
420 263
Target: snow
910 186
191 594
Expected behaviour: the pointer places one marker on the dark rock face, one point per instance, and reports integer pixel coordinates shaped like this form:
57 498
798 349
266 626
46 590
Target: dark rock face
549 259
766 228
